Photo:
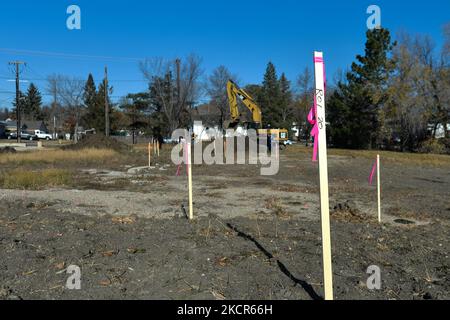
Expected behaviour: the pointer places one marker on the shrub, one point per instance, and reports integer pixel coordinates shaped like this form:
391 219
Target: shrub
433 146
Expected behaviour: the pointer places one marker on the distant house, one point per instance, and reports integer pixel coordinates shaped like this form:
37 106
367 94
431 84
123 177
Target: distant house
438 130
11 126
205 123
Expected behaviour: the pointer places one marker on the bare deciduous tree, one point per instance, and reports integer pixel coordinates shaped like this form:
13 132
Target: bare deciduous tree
303 102
175 86
405 107
446 48
69 93
433 82
216 88
419 91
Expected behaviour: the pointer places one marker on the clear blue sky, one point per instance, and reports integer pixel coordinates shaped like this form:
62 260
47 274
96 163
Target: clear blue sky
242 35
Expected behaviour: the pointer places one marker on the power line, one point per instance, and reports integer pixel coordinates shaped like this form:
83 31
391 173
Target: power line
110 80
67 55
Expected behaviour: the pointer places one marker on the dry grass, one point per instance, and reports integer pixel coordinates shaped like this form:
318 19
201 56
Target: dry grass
35 180
55 156
141 147
397 157
435 160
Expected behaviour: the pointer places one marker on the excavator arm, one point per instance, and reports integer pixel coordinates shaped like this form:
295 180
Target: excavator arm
233 93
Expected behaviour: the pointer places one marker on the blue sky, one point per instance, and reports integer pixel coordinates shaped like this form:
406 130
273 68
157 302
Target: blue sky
242 35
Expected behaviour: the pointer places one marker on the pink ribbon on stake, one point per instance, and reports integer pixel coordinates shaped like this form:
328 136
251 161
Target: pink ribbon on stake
185 159
372 173
315 130
312 115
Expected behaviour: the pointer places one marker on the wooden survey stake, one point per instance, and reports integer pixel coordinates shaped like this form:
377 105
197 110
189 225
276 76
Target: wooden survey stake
188 150
157 146
378 188
319 72
149 154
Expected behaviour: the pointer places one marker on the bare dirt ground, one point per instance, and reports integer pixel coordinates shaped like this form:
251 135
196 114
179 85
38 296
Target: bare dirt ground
253 237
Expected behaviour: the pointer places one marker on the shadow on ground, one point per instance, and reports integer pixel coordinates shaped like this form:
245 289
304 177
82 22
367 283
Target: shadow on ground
305 285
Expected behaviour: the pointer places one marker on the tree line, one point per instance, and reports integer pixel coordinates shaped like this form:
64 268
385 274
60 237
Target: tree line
394 96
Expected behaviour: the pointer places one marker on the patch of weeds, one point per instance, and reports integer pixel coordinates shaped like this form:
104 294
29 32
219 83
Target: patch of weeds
67 157
35 180
274 204
348 213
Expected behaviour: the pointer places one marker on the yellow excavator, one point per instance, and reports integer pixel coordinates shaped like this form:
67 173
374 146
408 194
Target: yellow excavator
234 92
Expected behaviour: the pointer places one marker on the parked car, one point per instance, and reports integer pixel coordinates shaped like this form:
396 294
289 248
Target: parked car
169 141
23 135
43 135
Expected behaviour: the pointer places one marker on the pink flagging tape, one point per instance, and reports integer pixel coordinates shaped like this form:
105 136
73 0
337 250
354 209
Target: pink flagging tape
318 60
372 173
312 116
315 130
185 160
178 170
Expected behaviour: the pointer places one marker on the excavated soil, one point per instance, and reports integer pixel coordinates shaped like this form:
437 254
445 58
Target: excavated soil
253 236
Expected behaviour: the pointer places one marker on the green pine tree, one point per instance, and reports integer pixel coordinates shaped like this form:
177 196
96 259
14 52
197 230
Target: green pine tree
354 107
286 102
32 104
269 98
94 101
135 107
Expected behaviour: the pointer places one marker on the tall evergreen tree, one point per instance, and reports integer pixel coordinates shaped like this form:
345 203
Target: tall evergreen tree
286 102
94 101
32 104
90 92
136 106
355 109
269 98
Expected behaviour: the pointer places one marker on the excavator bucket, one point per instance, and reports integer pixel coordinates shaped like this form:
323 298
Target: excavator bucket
229 124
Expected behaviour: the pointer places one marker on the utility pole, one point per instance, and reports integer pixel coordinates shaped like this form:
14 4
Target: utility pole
54 90
17 64
106 104
179 106
54 127
177 62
